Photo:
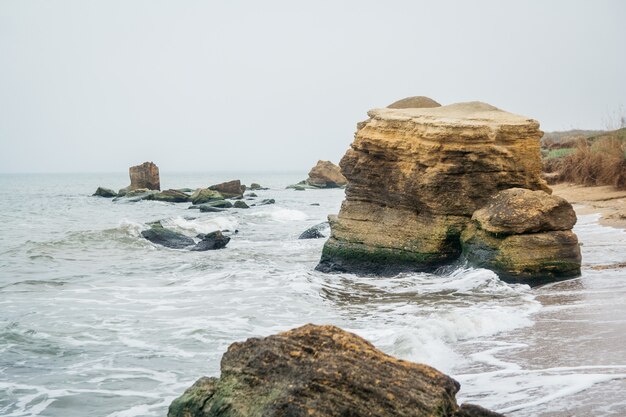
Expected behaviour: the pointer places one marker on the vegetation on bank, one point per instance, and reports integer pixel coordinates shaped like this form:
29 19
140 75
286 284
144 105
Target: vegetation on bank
587 158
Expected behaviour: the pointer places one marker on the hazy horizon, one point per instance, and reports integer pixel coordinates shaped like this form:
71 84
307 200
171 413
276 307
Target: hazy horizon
98 86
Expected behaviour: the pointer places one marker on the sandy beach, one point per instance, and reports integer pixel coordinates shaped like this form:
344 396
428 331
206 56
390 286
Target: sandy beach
605 200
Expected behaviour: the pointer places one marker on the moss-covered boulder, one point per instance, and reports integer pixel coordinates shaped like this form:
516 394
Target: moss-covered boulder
240 204
171 196
524 236
204 195
104 192
320 371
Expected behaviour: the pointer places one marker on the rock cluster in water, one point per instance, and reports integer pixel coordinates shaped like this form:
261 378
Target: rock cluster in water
163 236
416 176
316 371
324 174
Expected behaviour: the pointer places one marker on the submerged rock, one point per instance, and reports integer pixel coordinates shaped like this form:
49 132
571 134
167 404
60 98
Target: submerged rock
136 195
171 196
315 232
105 192
265 202
416 176
320 371
215 204
205 208
230 189
524 236
204 195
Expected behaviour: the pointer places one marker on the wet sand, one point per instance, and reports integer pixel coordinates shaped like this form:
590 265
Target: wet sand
605 200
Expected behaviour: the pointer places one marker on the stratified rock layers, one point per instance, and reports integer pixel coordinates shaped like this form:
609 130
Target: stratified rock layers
416 176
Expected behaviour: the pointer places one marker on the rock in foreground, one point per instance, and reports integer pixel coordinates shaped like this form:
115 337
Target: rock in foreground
524 236
416 176
320 371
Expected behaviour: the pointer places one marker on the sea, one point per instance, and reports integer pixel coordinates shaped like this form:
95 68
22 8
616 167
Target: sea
97 321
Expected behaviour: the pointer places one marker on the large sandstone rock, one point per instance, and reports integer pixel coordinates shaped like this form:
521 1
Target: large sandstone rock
320 371
416 176
325 174
230 189
145 175
416 102
525 236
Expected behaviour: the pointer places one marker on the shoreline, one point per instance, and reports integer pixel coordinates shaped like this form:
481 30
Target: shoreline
604 200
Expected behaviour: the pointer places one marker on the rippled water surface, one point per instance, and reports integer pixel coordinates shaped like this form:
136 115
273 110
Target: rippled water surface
95 320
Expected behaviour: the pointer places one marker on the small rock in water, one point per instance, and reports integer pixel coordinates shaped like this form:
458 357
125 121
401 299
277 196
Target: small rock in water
315 204
204 195
211 241
266 202
105 192
208 209
251 195
230 189
315 232
254 186
240 204
165 237
171 196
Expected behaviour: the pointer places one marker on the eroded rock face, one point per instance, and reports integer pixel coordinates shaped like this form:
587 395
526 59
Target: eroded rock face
416 176
525 236
325 174
317 371
145 175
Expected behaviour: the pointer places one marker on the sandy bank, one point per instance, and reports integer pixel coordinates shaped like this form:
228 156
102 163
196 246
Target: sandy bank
606 200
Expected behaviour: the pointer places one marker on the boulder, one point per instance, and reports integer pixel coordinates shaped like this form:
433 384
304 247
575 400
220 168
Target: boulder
222 204
230 189
171 196
204 195
325 174
211 241
524 236
315 232
240 204
104 192
416 102
135 195
165 237
319 371
255 187
416 176
145 175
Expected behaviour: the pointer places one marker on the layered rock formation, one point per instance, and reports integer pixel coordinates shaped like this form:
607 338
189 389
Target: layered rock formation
524 236
416 176
320 371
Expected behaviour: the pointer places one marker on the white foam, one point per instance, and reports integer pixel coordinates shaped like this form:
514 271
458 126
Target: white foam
201 224
281 215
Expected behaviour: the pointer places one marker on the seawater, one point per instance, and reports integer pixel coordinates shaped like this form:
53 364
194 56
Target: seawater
95 320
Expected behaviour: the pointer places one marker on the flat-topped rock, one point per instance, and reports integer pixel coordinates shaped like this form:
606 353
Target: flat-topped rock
416 176
145 175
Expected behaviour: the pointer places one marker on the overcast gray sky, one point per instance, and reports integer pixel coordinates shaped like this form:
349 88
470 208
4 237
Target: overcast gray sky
97 86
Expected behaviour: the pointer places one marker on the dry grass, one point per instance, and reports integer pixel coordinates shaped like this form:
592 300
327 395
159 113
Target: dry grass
602 162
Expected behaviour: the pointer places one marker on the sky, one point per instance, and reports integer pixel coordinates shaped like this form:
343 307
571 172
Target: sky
98 86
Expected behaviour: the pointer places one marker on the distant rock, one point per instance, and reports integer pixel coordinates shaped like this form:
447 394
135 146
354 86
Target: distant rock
205 208
265 202
240 204
316 232
222 204
325 174
252 195
524 236
136 195
416 102
104 192
211 241
255 187
171 196
145 175
320 371
204 195
230 189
